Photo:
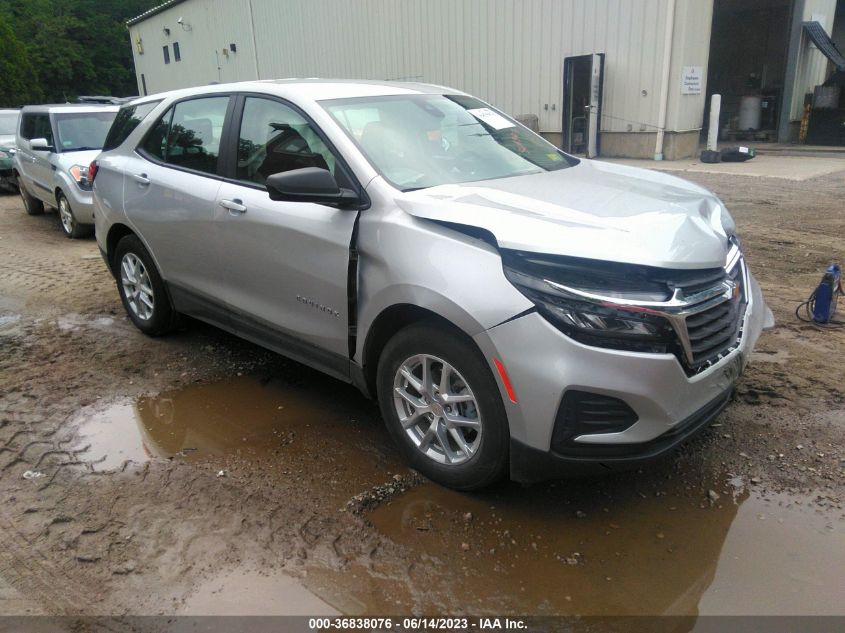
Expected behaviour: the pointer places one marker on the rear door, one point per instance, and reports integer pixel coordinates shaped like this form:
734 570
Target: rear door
112 164
285 264
171 184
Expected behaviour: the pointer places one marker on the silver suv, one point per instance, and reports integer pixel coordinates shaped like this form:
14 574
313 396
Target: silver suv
512 308
55 145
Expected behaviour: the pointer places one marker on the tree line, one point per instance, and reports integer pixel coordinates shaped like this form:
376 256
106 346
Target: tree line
52 51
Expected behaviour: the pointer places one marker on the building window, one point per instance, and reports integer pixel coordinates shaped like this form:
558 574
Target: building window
177 54
166 50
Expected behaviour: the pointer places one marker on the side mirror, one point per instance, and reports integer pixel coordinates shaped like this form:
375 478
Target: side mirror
310 184
40 145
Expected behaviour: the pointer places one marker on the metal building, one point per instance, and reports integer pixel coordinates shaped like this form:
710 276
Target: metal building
611 77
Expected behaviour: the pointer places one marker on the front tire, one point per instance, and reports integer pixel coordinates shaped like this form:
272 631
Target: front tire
142 289
31 204
443 408
70 227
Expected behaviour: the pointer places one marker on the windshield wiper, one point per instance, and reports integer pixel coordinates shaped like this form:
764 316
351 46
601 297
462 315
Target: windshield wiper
80 149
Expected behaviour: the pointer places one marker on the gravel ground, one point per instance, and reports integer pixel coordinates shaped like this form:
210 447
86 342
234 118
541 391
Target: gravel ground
141 537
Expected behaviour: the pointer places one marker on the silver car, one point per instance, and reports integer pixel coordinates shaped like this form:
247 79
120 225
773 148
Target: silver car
513 309
55 144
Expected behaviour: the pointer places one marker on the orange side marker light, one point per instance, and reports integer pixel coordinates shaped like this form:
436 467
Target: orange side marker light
506 381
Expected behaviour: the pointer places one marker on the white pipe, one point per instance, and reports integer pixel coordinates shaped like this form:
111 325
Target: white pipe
254 46
664 79
713 129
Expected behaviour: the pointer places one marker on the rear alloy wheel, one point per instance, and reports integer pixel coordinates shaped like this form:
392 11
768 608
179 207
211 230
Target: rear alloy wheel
141 288
70 227
442 407
31 204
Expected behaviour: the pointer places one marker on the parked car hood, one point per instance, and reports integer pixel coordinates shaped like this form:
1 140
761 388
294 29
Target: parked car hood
593 210
84 158
7 140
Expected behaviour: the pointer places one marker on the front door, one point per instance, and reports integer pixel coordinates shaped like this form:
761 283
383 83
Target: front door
285 264
583 77
37 169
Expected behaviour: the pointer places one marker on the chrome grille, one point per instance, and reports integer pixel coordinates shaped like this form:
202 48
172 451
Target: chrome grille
710 330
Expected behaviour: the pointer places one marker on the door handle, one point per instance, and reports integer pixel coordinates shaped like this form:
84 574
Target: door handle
235 206
141 179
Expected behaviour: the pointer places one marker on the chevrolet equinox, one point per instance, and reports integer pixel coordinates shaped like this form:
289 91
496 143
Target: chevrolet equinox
512 308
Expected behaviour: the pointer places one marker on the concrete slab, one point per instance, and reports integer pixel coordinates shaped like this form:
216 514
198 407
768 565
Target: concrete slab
761 166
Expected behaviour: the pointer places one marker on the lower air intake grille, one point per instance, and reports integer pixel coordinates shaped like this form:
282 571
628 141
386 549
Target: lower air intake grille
582 413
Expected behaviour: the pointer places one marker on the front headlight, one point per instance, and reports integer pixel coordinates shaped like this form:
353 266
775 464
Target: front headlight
566 290
79 173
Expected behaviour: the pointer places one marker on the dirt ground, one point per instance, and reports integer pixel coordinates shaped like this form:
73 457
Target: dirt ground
199 474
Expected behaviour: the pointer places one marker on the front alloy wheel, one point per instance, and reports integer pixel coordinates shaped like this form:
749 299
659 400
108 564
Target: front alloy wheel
70 226
437 409
137 287
66 216
442 406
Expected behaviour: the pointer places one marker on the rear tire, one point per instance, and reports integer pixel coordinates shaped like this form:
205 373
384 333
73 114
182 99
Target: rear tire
31 204
70 227
142 290
457 434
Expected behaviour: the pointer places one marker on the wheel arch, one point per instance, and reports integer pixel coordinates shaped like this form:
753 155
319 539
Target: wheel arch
116 233
387 323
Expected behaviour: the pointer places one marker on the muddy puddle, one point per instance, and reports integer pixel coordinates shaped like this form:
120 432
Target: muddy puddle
254 593
253 421
667 541
624 548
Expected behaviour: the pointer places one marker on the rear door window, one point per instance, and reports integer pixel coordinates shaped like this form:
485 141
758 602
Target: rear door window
188 135
195 132
128 118
155 143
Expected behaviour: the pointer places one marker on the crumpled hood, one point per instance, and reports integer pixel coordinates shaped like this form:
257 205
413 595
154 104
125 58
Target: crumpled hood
593 210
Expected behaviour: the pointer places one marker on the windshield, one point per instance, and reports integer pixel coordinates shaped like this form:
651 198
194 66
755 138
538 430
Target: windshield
83 130
8 123
418 141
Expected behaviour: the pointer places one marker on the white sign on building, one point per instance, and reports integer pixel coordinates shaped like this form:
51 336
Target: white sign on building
691 80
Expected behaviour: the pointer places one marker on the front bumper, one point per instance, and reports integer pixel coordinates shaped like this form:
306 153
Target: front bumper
670 406
81 202
530 464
